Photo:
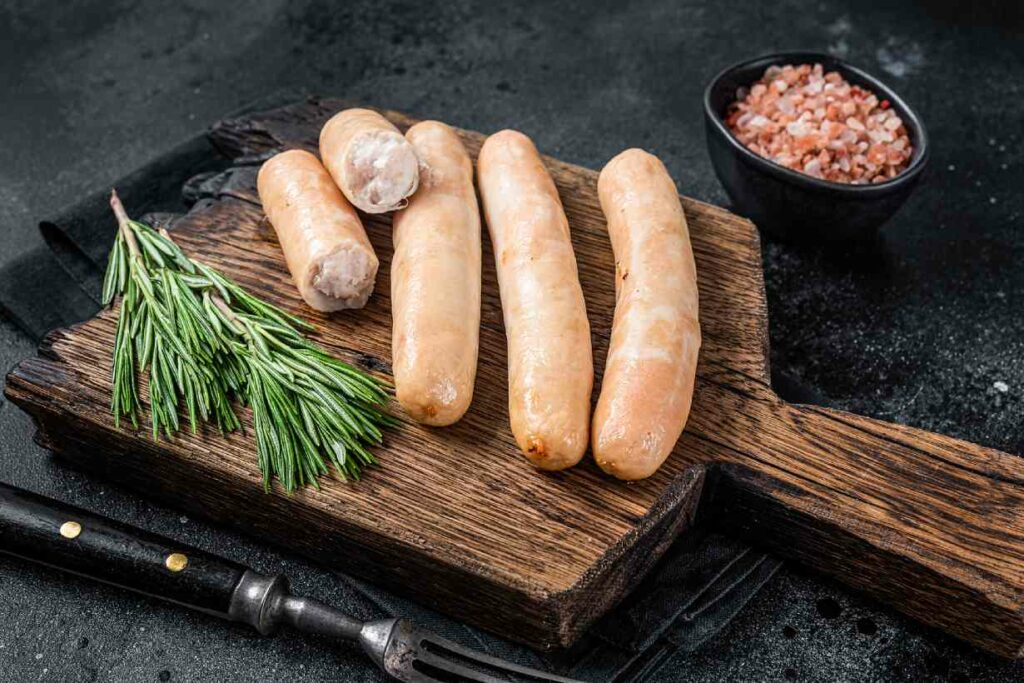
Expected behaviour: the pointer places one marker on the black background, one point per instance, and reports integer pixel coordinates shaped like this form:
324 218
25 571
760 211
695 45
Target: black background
926 331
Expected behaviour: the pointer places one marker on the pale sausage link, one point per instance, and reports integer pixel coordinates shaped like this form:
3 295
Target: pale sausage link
652 357
550 364
324 243
435 282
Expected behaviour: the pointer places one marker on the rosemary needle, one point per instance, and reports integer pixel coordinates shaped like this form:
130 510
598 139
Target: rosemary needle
206 343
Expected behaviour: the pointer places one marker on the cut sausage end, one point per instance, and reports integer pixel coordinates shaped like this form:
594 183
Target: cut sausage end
345 277
381 171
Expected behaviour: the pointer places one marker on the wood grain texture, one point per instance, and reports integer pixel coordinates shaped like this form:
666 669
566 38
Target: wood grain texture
458 519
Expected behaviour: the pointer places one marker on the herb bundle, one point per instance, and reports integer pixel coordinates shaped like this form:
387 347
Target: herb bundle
206 343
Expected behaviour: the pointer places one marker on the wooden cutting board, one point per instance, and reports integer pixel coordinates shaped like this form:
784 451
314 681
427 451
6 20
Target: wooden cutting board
458 519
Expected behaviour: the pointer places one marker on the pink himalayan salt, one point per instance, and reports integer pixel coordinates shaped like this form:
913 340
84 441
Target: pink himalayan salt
819 124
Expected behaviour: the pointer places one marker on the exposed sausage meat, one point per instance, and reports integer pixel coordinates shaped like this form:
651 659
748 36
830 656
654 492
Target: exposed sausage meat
373 164
435 282
324 244
550 365
652 357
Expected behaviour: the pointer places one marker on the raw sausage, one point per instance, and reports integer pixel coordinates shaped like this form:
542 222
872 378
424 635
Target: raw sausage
652 357
435 282
374 166
550 366
324 244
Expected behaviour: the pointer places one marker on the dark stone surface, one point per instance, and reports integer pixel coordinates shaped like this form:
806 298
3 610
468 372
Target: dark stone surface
925 331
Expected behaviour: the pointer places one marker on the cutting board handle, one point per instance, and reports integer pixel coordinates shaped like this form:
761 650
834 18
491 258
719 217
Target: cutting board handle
930 524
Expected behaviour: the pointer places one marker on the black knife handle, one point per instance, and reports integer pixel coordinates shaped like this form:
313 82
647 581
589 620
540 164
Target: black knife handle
45 531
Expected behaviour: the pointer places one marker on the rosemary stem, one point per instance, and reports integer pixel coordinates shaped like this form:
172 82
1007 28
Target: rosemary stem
229 314
123 224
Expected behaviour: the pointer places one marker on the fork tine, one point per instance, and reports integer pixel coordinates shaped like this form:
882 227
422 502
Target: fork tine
450 666
436 645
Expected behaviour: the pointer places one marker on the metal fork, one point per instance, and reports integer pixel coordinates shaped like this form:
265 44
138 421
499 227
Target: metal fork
46 531
399 647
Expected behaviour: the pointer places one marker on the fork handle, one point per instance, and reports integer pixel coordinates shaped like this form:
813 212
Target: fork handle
48 532
42 530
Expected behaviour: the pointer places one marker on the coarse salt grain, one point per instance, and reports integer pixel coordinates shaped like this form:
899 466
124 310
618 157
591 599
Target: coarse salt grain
819 124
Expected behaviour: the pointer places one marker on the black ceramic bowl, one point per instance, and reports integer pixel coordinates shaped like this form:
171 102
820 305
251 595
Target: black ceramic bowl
787 204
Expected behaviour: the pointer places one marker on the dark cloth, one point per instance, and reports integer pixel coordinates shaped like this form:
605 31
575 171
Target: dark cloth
59 282
695 589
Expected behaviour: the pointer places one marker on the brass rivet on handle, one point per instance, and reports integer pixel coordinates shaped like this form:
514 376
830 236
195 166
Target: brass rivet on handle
176 562
70 529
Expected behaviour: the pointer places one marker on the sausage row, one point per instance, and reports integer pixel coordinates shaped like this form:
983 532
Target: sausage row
435 286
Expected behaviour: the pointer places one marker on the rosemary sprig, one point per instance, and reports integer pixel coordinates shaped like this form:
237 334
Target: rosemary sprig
206 342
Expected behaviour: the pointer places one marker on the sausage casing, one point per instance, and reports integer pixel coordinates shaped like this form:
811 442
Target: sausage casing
652 357
550 364
435 282
324 243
